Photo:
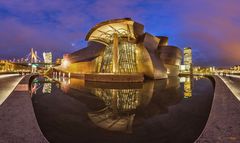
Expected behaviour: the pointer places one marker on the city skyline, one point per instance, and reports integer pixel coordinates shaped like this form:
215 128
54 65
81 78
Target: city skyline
60 27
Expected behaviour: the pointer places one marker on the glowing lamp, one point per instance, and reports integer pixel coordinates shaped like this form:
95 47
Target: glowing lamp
65 63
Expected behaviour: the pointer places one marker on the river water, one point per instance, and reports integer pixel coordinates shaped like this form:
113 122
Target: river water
173 110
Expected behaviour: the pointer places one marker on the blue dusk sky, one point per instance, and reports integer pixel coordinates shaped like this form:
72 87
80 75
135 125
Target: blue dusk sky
210 27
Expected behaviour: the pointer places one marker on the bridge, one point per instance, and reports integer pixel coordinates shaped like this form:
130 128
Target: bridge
30 63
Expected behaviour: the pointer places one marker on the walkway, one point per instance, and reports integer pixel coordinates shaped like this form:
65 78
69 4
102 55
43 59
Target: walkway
18 123
223 125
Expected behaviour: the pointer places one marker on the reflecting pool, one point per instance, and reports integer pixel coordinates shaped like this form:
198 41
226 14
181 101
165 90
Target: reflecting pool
169 110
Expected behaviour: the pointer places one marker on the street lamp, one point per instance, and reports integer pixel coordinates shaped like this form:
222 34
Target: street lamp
65 63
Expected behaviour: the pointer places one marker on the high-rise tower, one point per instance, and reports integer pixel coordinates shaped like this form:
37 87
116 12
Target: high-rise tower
188 59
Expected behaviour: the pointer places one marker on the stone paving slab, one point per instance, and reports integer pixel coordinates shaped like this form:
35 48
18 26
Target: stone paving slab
18 123
223 124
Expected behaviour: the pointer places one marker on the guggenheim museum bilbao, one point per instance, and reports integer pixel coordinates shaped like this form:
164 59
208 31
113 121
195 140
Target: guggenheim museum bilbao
119 50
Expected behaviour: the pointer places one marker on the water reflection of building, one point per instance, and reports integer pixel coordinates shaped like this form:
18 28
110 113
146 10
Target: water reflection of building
188 82
106 119
121 99
118 106
121 47
47 88
65 82
188 88
34 87
121 105
38 82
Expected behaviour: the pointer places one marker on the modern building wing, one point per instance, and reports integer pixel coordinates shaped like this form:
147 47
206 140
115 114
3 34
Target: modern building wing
120 51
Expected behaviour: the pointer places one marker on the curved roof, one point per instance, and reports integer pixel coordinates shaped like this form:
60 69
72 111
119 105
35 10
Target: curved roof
93 50
102 31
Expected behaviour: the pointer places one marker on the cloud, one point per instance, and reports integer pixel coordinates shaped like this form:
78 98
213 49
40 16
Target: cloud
16 39
211 28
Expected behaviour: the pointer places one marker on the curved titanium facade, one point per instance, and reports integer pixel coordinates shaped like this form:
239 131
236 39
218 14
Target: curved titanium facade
120 47
171 57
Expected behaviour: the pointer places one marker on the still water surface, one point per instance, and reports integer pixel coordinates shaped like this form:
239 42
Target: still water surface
173 110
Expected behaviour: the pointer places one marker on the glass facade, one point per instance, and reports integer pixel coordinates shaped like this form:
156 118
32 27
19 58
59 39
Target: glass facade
126 53
126 59
121 100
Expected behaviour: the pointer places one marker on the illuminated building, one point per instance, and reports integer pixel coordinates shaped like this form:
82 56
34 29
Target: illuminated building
6 66
47 57
187 56
187 61
235 69
119 50
58 61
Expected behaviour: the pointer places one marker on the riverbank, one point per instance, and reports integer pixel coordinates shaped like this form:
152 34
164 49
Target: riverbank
17 118
224 120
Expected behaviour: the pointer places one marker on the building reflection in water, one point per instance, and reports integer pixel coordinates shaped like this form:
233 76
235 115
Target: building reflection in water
128 103
117 115
47 88
35 86
45 82
123 105
64 84
188 86
63 80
